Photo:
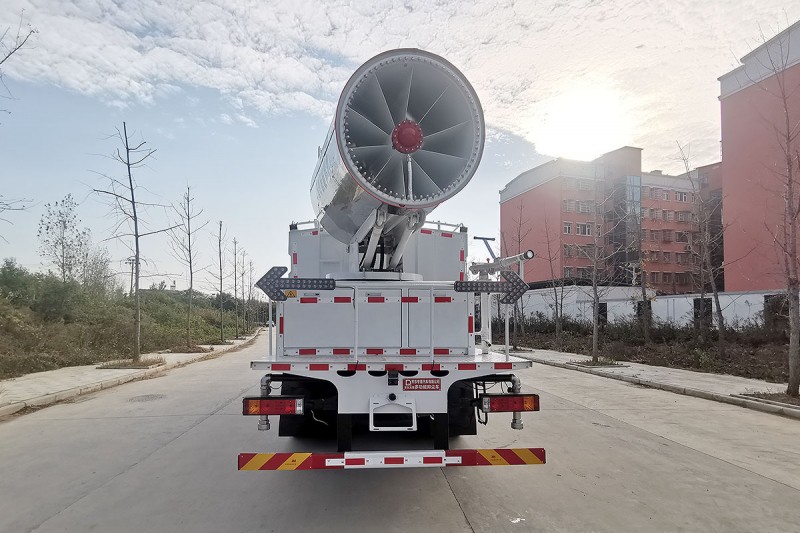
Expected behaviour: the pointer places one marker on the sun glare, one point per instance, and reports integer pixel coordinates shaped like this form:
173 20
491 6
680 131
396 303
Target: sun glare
581 123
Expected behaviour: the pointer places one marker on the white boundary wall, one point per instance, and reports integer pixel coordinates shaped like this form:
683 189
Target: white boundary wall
621 304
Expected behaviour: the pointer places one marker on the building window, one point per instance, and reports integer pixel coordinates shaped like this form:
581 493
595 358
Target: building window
655 277
667 235
584 185
645 192
667 277
681 196
655 235
584 273
655 194
567 250
680 258
583 229
567 272
669 216
645 212
655 214
667 256
587 251
682 236
569 206
585 206
683 216
567 228
666 195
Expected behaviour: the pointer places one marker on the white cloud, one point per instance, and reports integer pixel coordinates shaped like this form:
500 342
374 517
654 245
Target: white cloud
660 59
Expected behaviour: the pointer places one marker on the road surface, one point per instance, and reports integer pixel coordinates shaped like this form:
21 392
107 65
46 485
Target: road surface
160 455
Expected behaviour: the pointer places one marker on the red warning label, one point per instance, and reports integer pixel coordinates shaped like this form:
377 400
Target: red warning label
422 384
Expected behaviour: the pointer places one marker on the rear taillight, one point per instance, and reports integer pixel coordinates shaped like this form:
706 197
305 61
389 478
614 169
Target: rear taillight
502 403
278 405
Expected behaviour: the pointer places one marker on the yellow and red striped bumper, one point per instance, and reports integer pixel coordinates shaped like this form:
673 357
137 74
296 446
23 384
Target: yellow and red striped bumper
392 459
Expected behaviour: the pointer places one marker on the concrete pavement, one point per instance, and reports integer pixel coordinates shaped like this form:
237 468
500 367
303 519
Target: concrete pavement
718 387
44 388
160 455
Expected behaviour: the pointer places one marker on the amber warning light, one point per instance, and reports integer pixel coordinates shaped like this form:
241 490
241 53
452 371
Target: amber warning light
278 405
503 403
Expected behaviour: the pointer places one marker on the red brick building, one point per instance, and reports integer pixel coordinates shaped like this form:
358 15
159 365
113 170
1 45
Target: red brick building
557 208
753 115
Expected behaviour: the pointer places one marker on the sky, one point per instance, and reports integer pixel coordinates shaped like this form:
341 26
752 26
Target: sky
236 96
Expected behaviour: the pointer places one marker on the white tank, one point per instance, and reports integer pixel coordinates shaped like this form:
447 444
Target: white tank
408 133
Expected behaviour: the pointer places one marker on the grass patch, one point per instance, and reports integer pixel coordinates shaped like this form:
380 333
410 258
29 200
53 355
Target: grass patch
149 362
188 348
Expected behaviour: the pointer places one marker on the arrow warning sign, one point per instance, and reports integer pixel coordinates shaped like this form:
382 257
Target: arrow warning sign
512 288
272 283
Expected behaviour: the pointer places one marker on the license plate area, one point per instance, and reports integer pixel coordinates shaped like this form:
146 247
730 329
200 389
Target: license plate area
398 414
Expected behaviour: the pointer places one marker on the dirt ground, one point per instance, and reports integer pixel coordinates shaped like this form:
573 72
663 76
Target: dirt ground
766 361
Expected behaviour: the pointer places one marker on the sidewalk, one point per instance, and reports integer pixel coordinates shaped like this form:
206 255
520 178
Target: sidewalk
717 387
43 388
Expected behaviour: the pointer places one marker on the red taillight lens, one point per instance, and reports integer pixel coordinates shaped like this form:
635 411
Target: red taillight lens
509 402
272 406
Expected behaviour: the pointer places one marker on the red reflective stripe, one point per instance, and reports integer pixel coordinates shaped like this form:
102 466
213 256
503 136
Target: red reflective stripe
408 351
460 276
376 299
280 325
442 351
315 232
467 366
442 299
355 461
503 366
308 351
318 366
430 366
510 456
432 460
308 300
355 367
448 235
341 351
394 367
470 324
461 255
426 231
281 366
374 351
393 460
294 258
341 299
244 458
409 299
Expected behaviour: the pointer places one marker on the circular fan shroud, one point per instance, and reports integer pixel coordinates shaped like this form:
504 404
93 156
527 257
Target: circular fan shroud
417 86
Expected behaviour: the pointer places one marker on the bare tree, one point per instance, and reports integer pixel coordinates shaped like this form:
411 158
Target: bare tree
235 285
220 237
556 280
785 126
512 244
243 274
182 243
121 196
61 240
703 246
10 44
11 204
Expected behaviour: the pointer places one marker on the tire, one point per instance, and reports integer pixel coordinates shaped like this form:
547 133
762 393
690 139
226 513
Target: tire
461 412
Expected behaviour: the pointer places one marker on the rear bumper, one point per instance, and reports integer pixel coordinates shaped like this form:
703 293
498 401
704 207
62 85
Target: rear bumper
392 459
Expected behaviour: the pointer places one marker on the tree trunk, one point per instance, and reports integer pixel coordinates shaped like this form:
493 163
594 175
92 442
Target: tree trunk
137 345
595 319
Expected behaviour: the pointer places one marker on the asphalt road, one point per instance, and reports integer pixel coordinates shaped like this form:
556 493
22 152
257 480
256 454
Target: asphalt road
160 455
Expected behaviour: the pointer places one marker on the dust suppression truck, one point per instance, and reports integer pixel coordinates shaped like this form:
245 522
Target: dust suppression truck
376 322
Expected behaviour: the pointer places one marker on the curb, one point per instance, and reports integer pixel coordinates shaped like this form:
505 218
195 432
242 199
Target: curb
686 391
48 399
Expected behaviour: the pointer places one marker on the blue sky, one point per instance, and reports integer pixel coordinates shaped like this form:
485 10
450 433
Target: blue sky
236 97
